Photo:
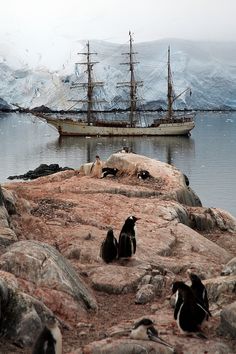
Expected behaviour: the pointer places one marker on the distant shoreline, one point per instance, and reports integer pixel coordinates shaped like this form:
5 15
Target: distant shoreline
62 112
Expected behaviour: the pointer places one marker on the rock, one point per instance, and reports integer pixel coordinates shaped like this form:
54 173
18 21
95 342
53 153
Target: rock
230 267
42 170
21 315
228 321
145 294
115 279
45 273
125 346
9 201
158 281
221 288
208 218
169 177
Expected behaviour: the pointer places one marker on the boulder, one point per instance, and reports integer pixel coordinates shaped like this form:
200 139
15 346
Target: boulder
44 273
220 289
117 279
228 321
171 181
21 315
124 346
230 267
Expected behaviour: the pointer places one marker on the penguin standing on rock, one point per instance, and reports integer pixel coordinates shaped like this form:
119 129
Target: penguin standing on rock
109 247
145 330
189 312
127 238
198 289
49 340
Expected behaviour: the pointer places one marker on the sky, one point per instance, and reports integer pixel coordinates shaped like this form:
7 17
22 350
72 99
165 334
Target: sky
44 25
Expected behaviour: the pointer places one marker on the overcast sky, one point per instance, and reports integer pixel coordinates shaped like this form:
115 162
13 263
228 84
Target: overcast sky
37 24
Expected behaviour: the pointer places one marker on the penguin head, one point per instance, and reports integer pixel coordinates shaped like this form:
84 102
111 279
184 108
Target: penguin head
51 321
146 322
193 277
132 219
110 233
178 285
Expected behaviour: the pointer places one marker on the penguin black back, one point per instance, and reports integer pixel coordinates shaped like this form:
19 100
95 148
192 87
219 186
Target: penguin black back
127 240
109 247
49 340
189 313
198 289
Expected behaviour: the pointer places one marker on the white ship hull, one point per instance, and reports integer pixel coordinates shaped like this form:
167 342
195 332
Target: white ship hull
68 127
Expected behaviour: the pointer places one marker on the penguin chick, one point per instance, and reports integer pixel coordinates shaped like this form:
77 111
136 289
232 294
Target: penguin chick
49 340
145 330
199 290
127 238
109 247
189 312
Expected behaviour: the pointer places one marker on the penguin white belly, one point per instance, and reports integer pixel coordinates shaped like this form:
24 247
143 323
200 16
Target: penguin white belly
139 333
56 333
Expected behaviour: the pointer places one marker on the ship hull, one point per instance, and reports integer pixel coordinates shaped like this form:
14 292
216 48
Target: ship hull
72 128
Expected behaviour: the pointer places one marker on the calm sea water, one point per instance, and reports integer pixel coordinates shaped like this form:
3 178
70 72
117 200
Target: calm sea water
207 157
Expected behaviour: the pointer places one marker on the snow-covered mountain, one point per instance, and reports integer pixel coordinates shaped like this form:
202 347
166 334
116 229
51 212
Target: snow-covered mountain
208 68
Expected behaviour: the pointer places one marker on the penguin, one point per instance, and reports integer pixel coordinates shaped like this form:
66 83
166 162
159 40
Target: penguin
145 330
49 340
109 171
127 240
143 174
199 290
189 312
96 168
109 247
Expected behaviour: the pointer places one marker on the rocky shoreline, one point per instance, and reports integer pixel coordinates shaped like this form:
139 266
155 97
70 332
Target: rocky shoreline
51 230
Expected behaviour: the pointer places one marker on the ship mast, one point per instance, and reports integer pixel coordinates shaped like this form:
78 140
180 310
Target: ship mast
132 84
90 84
170 95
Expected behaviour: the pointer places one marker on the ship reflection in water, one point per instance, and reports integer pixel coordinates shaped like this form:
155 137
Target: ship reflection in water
166 149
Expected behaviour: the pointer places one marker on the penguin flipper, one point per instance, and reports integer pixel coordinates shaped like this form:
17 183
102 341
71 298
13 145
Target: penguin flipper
178 304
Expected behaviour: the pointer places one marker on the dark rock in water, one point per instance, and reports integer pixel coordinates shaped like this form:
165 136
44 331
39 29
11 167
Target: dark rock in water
42 170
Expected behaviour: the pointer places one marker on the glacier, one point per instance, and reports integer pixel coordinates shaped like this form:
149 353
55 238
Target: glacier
208 68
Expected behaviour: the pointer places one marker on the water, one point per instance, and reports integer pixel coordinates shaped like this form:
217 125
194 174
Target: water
207 157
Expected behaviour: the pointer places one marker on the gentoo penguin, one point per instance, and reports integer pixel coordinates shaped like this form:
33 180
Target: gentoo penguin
109 171
127 240
49 340
199 290
189 312
109 247
145 330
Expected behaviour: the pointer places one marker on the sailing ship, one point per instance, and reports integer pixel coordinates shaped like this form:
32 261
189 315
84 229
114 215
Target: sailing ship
169 124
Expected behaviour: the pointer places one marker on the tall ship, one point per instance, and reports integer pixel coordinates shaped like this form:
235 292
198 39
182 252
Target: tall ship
171 123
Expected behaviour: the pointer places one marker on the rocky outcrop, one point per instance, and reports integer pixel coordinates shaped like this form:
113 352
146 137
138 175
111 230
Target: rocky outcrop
42 170
21 316
44 273
230 267
7 208
228 321
68 214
